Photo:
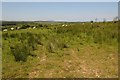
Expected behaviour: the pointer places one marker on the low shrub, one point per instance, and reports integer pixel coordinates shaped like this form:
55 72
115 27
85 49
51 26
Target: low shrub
32 41
20 51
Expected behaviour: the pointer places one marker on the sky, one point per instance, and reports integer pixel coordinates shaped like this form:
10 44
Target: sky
59 11
60 0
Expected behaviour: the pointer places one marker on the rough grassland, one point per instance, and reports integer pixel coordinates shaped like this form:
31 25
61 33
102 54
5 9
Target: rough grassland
77 50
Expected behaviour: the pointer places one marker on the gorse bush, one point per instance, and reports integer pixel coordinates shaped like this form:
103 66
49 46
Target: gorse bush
20 51
25 45
32 41
5 35
25 26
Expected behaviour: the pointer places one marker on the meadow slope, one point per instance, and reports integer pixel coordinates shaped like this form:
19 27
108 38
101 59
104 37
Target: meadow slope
55 51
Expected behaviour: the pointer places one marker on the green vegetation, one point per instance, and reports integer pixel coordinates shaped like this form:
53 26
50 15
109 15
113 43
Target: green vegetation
76 50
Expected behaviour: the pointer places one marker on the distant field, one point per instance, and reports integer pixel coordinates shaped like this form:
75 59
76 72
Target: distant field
60 50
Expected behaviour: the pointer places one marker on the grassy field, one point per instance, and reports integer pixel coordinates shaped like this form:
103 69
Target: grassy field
54 51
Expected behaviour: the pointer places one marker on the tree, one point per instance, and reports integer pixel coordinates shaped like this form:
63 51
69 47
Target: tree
115 19
96 19
91 21
104 20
